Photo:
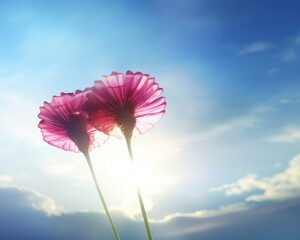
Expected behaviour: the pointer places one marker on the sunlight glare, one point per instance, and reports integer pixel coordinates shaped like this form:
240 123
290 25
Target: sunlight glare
121 176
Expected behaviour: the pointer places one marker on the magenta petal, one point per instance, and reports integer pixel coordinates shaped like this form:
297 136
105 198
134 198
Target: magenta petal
125 104
64 124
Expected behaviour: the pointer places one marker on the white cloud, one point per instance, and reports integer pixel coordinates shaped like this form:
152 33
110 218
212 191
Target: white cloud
281 186
289 55
43 203
289 134
229 222
20 117
37 200
243 185
5 179
255 47
201 227
233 208
297 40
247 121
284 101
272 71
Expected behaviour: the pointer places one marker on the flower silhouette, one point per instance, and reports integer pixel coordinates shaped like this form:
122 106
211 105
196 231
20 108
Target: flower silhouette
125 105
64 124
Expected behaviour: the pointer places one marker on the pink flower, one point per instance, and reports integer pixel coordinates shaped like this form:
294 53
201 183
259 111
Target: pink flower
126 105
64 125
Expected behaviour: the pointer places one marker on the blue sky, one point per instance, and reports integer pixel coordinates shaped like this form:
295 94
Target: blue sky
224 161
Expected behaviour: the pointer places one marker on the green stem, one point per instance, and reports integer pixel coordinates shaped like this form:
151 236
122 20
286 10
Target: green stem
146 223
87 156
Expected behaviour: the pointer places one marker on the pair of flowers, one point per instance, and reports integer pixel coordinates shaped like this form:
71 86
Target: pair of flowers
120 105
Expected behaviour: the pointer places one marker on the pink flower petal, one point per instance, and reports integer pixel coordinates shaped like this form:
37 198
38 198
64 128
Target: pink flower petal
126 104
64 124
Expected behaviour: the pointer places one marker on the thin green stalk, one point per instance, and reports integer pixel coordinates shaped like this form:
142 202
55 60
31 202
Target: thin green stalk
146 223
87 156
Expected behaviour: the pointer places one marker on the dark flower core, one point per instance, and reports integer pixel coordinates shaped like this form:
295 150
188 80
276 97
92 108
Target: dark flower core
125 120
76 129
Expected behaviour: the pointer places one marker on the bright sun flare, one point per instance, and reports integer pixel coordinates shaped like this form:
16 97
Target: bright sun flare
121 176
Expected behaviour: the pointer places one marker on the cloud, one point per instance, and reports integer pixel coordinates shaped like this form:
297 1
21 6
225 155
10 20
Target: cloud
194 229
20 117
243 185
251 119
289 55
279 187
289 134
272 71
255 47
297 40
33 199
233 222
284 101
254 223
21 219
247 121
5 179
202 214
43 203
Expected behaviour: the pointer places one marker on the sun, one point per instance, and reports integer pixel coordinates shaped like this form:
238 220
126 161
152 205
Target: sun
119 177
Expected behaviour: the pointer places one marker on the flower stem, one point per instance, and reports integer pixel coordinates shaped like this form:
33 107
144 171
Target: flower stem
128 141
87 156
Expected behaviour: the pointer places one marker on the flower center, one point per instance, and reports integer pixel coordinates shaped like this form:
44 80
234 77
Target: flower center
76 129
125 120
